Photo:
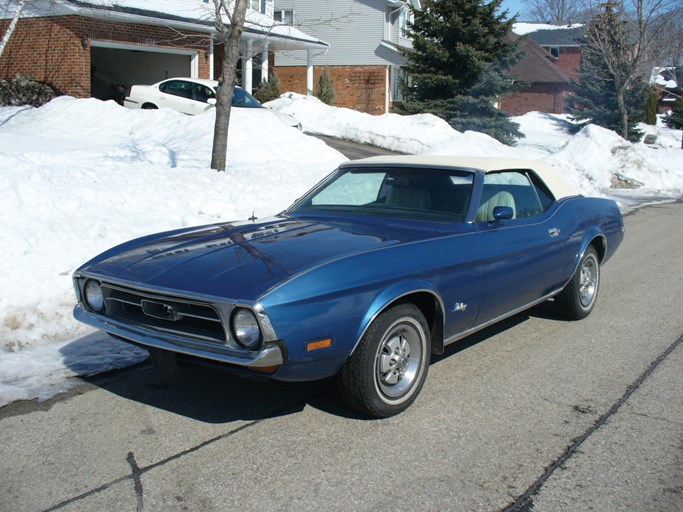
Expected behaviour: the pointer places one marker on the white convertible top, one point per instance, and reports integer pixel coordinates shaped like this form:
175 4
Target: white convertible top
557 184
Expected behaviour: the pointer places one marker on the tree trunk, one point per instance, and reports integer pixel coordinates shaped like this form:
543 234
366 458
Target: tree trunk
12 26
231 35
623 112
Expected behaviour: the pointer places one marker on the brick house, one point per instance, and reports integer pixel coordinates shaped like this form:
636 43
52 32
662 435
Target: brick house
83 48
364 58
546 84
564 45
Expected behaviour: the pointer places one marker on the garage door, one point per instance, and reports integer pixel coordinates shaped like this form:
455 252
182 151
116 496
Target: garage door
112 66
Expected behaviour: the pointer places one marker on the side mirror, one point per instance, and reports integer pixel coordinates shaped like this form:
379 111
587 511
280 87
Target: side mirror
503 213
211 101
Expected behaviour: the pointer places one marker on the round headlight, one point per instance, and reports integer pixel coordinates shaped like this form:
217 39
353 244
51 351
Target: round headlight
245 328
93 296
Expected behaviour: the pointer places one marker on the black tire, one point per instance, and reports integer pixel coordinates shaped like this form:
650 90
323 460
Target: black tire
578 298
149 106
387 370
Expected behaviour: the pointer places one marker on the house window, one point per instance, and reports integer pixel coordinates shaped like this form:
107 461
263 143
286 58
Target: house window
405 16
286 16
259 5
397 78
554 51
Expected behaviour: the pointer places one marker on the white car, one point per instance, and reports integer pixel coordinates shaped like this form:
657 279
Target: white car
193 96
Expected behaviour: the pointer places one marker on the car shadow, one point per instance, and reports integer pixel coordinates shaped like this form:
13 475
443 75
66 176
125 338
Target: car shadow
209 395
204 394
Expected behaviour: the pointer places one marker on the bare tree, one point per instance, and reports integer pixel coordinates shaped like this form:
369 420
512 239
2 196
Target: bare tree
12 25
557 12
234 11
621 36
667 49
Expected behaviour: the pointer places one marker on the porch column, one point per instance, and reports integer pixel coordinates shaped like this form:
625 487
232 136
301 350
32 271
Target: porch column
387 90
264 62
247 60
309 73
211 57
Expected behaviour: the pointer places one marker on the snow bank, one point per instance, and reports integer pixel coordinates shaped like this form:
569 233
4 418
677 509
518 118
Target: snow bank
80 176
405 134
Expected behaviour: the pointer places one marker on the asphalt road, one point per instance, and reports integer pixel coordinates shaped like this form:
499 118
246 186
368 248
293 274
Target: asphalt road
537 413
354 150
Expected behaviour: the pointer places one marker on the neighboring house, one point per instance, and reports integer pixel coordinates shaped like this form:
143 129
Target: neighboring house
84 48
546 85
667 80
364 59
564 44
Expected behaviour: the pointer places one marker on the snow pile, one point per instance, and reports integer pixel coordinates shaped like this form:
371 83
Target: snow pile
80 176
405 134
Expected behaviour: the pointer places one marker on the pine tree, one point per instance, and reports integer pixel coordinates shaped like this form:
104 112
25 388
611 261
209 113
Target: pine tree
456 69
674 119
595 99
268 91
325 89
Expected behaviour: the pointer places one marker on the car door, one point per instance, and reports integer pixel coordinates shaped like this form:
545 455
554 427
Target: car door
177 95
201 95
521 257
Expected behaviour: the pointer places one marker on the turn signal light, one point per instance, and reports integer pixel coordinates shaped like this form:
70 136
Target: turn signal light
263 369
317 345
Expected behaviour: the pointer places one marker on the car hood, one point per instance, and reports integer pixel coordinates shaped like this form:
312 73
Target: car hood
243 261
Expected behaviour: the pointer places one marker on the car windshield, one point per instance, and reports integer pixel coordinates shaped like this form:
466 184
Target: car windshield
420 194
241 98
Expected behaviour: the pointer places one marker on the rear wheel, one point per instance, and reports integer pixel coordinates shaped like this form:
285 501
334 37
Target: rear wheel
149 106
388 368
577 299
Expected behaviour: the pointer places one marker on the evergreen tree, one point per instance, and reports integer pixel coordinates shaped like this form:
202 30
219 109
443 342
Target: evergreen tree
650 107
325 88
674 119
461 50
268 91
595 99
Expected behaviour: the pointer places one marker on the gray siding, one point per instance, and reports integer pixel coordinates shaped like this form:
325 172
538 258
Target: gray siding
353 28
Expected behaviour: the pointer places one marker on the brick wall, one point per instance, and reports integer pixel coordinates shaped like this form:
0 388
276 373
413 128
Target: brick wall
361 88
539 97
56 50
569 60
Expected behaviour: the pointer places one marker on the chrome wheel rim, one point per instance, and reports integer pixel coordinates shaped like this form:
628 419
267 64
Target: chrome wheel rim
588 284
398 362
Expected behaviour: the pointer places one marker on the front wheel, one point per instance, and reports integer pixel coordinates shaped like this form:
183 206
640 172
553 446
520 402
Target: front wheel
578 298
388 368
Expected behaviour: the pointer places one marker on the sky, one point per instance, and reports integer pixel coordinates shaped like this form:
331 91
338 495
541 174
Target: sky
515 6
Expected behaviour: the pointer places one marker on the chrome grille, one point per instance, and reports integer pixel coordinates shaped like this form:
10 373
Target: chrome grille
162 313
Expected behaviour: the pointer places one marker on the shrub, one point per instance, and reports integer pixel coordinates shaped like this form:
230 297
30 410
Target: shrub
268 91
324 90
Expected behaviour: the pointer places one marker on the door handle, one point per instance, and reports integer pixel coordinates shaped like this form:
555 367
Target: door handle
553 232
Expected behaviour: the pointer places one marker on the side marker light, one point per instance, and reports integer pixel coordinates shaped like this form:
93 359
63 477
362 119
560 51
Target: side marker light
318 344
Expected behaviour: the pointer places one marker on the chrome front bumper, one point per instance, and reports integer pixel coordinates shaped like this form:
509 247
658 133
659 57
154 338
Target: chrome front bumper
270 355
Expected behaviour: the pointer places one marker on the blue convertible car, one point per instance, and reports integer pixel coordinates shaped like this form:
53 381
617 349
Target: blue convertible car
382 264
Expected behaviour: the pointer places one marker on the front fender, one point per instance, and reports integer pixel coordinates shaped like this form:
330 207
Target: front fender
391 295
